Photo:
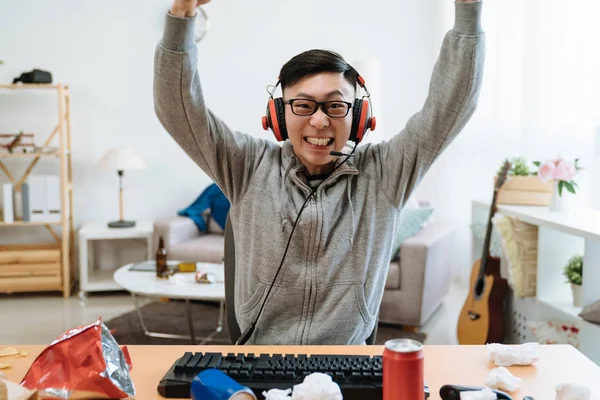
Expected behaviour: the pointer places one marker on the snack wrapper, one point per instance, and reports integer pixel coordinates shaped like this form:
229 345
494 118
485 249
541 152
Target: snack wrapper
83 363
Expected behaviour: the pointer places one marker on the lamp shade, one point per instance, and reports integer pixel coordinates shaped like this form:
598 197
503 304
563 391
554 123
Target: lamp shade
121 159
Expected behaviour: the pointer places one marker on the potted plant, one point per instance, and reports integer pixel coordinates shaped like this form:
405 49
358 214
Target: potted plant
573 271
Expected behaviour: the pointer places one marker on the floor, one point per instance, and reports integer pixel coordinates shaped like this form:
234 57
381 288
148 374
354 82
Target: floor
39 319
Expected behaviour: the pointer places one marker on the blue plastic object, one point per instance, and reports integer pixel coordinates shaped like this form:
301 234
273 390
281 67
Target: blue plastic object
212 384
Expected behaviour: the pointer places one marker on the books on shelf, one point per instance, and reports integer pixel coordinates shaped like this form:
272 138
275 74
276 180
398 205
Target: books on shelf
38 200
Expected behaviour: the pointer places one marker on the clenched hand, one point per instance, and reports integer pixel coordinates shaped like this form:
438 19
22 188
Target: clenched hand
186 8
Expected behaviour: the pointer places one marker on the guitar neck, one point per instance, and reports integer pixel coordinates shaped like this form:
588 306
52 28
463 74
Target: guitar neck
488 236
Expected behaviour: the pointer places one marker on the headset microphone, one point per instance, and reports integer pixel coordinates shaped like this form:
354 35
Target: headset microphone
338 154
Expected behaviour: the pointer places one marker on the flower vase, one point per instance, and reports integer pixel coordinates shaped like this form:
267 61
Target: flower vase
556 201
577 295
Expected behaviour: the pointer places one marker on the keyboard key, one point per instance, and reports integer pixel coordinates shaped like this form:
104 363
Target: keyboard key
377 377
250 357
290 375
246 367
230 357
268 375
257 375
187 356
191 364
214 362
243 374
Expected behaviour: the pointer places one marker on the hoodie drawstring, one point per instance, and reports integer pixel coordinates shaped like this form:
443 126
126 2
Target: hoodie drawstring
284 193
348 192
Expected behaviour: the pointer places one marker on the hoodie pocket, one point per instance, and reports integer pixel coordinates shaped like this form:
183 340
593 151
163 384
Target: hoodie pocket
361 300
254 300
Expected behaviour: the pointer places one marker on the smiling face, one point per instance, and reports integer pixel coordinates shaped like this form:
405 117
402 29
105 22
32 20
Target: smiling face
314 136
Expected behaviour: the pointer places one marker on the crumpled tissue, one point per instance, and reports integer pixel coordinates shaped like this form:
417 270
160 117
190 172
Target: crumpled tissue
277 394
316 386
505 355
484 394
572 391
13 391
500 378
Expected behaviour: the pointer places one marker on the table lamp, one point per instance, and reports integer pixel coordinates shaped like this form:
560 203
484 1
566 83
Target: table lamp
121 159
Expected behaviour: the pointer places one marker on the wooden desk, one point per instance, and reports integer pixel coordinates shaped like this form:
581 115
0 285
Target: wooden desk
465 365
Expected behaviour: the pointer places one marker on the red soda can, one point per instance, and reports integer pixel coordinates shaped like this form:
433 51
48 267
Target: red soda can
403 370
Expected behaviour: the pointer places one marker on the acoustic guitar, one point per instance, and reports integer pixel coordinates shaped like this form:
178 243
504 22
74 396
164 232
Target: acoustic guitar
481 319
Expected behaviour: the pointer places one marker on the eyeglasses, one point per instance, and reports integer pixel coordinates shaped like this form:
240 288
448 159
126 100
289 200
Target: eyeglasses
333 108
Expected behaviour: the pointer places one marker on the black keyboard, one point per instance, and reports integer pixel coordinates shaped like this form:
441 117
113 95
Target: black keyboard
359 377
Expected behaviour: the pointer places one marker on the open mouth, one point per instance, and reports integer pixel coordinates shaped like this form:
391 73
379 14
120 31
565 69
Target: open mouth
321 142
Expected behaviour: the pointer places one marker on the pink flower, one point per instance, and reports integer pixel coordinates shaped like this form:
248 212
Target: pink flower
546 171
564 171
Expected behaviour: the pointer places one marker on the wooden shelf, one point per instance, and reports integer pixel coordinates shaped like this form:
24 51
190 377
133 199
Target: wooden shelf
21 155
64 239
32 86
27 223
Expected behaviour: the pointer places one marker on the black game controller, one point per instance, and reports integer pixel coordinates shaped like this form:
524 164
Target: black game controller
452 392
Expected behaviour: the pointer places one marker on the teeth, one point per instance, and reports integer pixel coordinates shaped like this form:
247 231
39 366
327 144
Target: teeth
318 141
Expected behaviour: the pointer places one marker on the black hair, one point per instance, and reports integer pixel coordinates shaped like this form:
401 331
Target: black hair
312 62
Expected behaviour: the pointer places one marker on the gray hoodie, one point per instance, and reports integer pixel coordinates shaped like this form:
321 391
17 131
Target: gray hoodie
332 281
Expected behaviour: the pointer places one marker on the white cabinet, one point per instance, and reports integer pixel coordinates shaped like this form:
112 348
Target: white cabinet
560 236
90 281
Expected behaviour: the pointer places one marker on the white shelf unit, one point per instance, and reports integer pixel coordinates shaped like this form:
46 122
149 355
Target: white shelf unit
101 281
560 236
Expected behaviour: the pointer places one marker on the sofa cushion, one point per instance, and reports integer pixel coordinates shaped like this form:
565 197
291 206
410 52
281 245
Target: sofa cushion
411 222
204 248
393 277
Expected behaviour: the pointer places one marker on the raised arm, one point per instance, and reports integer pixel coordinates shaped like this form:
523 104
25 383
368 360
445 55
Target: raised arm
226 156
454 88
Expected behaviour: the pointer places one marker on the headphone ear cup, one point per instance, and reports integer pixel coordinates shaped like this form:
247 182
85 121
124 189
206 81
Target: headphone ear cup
275 119
356 113
280 110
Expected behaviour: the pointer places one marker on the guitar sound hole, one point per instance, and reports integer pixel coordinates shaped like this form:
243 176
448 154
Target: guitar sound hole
479 287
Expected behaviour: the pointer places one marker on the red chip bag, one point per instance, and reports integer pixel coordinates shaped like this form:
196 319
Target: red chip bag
83 363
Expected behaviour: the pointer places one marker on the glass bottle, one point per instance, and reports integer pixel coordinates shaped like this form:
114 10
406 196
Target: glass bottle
161 259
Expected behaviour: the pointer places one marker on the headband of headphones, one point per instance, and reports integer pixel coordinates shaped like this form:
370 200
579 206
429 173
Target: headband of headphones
362 118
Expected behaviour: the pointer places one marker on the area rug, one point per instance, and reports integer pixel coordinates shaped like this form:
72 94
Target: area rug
170 317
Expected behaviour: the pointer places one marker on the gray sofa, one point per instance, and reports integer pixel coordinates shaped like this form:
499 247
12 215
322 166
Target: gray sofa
416 283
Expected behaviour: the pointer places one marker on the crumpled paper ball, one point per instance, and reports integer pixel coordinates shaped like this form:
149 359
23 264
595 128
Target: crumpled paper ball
500 378
485 394
572 391
277 394
316 386
506 355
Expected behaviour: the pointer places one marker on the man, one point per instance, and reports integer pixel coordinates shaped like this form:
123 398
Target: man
330 279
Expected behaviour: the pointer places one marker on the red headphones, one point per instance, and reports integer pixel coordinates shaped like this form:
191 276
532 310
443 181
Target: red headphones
362 120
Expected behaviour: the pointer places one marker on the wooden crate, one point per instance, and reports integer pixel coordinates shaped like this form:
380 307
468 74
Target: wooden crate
525 190
30 267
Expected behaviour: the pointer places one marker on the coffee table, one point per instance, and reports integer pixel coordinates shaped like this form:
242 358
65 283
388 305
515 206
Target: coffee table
144 283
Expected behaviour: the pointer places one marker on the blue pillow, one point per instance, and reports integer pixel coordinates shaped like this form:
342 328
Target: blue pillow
412 220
